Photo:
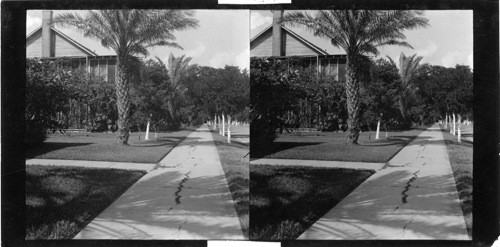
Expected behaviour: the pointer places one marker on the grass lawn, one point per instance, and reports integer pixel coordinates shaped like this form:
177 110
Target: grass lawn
103 147
460 155
287 200
61 201
332 146
235 162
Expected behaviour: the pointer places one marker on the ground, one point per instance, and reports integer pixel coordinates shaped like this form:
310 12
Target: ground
332 146
460 155
234 160
103 147
60 201
286 200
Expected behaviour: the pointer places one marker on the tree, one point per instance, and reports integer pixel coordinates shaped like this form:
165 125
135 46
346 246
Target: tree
408 69
148 94
359 33
177 71
47 94
129 33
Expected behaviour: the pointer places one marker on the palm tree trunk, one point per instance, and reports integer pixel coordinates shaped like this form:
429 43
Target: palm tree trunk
353 102
402 109
123 100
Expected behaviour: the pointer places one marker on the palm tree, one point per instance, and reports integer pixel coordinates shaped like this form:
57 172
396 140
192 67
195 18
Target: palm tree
359 33
408 68
129 33
177 69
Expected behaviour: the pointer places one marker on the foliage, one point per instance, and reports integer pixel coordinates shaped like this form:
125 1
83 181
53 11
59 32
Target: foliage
408 68
97 98
129 32
274 91
215 91
358 33
175 98
46 97
148 93
445 90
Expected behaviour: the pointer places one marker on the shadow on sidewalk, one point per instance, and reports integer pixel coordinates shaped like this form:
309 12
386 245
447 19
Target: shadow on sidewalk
168 205
373 212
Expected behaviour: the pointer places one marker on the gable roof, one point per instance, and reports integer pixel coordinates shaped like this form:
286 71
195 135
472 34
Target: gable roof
305 41
66 37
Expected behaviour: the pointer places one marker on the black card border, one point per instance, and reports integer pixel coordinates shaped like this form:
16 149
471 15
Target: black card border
486 111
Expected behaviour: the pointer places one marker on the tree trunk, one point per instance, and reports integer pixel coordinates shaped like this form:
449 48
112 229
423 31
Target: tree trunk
223 125
454 124
378 130
228 129
446 122
123 100
353 101
147 131
459 132
402 108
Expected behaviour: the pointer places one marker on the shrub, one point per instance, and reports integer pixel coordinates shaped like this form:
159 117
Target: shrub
46 97
274 91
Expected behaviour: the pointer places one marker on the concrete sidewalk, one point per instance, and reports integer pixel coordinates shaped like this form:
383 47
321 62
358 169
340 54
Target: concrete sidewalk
186 197
413 197
93 164
319 163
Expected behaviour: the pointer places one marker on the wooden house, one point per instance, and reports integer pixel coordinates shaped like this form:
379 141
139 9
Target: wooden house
281 42
49 43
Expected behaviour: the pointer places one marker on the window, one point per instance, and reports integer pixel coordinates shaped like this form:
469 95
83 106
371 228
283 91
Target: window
103 73
94 67
111 70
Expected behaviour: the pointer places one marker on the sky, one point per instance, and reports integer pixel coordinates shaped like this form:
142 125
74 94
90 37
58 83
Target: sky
222 38
447 41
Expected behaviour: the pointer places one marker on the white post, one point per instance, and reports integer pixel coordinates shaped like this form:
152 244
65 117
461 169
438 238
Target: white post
147 132
218 125
454 125
223 125
228 129
378 130
459 138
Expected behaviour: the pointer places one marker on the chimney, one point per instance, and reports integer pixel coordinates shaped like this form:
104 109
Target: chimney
277 34
47 42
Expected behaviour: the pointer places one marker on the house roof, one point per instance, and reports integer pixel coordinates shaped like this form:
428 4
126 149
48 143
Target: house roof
305 41
82 47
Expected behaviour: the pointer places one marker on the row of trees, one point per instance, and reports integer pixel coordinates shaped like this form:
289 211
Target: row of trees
359 33
392 96
164 96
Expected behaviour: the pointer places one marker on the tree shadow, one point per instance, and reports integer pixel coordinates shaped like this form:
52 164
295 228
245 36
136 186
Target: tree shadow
187 207
48 147
72 195
419 207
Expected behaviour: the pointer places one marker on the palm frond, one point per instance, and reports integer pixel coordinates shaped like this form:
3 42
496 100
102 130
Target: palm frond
130 31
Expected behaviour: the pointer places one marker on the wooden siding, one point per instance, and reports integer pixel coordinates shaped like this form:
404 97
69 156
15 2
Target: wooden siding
66 49
263 45
295 47
63 48
34 45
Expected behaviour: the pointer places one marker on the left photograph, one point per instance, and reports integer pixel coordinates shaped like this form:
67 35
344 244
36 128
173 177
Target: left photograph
137 124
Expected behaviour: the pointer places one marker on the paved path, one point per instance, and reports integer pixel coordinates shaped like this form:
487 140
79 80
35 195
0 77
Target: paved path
413 197
186 197
318 163
92 164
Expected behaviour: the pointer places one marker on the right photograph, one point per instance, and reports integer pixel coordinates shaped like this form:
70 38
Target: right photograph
361 125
